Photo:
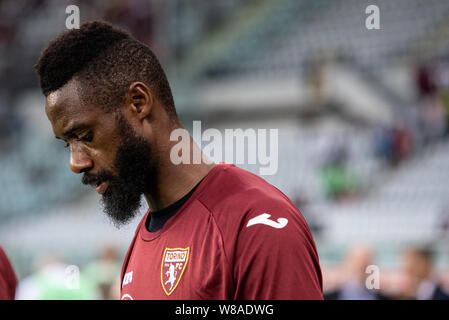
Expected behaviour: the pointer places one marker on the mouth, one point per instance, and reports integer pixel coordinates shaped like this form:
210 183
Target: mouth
101 187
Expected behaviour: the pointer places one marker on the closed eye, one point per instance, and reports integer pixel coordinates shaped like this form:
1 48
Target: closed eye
87 138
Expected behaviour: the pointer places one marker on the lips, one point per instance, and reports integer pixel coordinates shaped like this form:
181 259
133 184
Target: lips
101 188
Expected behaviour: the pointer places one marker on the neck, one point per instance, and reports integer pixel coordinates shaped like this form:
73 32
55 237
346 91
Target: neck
174 181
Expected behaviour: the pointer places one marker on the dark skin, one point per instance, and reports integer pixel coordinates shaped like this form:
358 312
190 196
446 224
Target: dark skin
92 136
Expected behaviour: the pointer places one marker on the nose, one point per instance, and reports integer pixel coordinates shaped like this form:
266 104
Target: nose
79 161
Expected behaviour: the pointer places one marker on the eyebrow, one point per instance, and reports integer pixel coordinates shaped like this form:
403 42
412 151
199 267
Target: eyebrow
73 131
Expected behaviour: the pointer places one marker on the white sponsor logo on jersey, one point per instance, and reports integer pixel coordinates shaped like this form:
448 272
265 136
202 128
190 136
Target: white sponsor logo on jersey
264 219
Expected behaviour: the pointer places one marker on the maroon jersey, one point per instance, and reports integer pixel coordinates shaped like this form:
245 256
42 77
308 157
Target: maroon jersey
236 237
8 280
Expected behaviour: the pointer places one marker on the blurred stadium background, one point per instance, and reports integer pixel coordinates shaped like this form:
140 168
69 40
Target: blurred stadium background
362 118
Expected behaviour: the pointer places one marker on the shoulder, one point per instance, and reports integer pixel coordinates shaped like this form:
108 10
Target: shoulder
239 200
237 190
263 233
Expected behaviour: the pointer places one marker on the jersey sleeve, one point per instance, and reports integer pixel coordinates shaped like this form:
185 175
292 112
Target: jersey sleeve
276 257
8 280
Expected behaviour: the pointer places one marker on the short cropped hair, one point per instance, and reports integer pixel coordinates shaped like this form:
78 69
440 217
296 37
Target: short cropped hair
105 60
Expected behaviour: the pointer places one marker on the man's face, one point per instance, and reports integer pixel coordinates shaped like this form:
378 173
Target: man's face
105 148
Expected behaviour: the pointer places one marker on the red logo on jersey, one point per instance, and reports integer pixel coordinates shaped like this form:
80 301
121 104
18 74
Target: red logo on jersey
174 262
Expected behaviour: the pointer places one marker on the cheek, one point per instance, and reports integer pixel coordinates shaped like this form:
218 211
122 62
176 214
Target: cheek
104 148
103 158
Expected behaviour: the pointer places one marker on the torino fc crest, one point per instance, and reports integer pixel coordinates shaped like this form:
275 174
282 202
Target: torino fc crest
174 262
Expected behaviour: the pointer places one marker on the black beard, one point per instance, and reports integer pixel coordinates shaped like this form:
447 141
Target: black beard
122 198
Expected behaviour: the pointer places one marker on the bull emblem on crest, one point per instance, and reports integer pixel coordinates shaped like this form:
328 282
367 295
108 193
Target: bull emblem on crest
174 262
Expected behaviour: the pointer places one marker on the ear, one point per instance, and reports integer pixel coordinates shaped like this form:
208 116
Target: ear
139 100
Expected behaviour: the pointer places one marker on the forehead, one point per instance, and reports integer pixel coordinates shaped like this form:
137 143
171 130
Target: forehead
64 108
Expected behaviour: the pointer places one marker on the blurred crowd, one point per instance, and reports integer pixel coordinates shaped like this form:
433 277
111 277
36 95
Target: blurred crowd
359 278
55 279
416 128
420 125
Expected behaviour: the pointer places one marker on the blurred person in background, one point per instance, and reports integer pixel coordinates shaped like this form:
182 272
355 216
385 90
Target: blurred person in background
425 79
433 118
434 113
338 180
419 279
55 280
357 259
8 279
103 273
402 144
393 144
317 79
114 290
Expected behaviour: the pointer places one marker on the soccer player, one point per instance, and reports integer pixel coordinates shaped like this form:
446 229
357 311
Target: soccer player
213 231
8 280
